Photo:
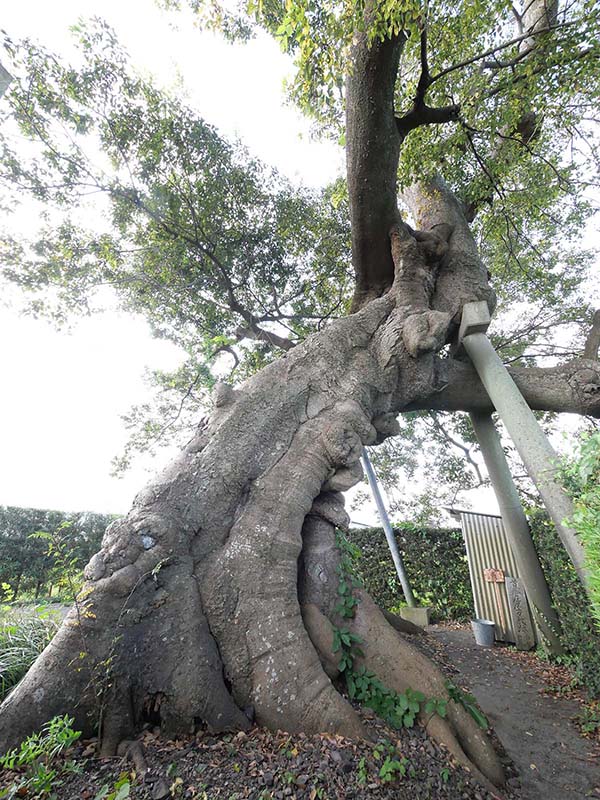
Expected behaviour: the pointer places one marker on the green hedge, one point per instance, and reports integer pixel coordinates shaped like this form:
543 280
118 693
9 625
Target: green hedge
436 563
580 636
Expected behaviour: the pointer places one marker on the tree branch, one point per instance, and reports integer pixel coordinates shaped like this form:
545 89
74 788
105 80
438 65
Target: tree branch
426 115
372 153
592 343
572 388
421 113
253 331
490 52
459 445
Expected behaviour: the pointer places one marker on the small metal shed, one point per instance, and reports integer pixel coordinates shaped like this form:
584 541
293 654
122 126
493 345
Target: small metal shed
488 550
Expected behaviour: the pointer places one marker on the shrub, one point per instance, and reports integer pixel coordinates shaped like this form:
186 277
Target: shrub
581 477
23 636
579 634
436 564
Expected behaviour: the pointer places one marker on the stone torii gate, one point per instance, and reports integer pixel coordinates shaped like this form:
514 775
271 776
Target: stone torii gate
540 460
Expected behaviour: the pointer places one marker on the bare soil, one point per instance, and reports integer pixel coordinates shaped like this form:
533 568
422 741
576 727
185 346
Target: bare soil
554 761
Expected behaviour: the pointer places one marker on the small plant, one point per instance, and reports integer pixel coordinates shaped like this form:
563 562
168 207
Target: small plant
363 772
35 756
437 705
345 570
589 719
445 774
392 766
120 790
172 770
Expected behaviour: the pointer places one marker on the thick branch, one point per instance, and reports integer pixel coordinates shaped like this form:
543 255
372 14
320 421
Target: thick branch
572 388
261 335
426 115
592 343
463 277
421 113
372 152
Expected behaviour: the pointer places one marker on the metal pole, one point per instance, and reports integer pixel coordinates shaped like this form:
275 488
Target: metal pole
537 453
517 531
389 533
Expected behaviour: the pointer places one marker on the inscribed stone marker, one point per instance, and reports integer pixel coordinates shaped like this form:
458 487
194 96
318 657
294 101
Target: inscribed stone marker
519 611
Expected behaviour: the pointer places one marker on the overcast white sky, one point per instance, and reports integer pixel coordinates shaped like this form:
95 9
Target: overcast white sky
63 394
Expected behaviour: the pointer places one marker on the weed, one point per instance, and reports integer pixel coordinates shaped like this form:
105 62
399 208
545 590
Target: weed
392 767
172 770
589 719
363 772
35 756
120 790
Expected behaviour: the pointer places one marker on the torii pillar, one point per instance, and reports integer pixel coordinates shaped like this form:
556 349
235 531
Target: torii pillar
536 452
518 532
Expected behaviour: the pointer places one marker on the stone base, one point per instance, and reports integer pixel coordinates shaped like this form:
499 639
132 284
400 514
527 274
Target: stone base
418 616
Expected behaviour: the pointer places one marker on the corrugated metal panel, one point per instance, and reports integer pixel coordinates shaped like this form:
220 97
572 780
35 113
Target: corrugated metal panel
488 548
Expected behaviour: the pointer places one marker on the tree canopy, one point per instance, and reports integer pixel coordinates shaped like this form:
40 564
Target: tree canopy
236 265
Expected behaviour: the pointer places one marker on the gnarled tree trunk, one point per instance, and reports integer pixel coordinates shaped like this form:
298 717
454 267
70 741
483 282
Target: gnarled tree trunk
216 593
191 610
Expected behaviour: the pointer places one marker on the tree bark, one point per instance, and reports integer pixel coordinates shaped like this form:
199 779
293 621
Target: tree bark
191 610
570 388
372 152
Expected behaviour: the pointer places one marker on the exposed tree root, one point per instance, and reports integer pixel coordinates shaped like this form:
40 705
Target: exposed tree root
401 625
132 750
397 663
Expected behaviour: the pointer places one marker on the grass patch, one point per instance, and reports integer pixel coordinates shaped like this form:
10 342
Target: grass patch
24 633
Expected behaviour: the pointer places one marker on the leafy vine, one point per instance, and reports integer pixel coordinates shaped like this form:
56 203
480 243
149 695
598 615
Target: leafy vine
399 709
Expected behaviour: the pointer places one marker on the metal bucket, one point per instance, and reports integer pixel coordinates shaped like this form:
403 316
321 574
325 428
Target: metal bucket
484 631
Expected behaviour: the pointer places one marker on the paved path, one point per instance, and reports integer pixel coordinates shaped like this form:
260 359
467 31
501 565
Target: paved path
554 761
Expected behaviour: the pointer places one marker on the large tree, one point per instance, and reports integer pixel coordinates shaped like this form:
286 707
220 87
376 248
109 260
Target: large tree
216 593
